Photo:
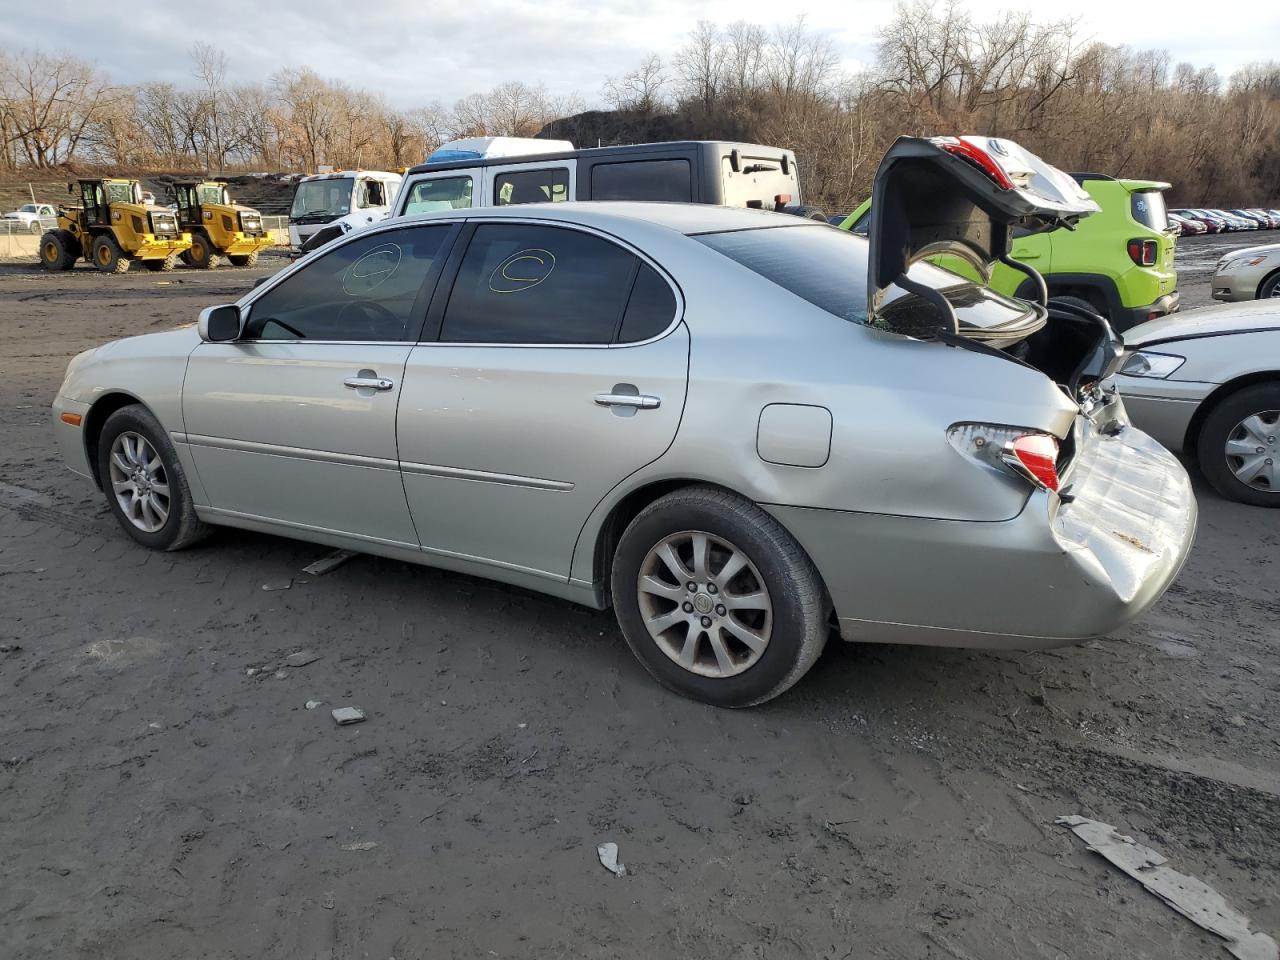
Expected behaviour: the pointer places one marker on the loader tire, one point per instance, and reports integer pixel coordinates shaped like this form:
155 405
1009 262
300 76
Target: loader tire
162 266
244 259
107 255
59 250
201 255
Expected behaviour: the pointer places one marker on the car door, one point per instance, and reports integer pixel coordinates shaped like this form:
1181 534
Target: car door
295 421
555 367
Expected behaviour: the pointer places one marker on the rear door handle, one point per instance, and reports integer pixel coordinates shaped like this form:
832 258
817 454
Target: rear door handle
371 383
641 401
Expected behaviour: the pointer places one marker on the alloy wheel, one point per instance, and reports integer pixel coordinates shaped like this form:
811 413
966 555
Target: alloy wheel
1253 451
705 604
139 481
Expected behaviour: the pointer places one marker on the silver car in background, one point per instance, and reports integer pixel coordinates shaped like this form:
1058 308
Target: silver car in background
1249 274
742 430
1207 382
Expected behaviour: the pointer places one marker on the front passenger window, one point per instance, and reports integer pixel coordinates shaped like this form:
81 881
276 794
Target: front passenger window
371 289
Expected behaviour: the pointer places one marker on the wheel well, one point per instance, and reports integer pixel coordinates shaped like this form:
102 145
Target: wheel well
1218 395
94 420
623 512
1263 282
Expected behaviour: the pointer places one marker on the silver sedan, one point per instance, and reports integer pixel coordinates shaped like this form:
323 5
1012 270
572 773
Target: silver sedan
1207 382
1249 274
708 419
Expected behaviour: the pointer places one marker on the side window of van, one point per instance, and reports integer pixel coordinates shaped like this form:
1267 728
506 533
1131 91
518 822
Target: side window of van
643 180
531 186
440 193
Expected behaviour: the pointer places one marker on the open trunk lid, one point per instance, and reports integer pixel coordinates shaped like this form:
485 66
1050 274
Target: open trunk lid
964 196
961 196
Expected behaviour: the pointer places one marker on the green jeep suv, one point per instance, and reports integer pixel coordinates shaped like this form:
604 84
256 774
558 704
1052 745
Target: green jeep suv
1120 260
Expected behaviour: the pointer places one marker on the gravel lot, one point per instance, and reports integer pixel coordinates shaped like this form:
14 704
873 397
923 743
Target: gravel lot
164 792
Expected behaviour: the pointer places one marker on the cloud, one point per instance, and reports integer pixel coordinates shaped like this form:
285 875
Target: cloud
414 53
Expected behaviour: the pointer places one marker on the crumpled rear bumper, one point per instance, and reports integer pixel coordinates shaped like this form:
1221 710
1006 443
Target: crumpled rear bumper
1057 573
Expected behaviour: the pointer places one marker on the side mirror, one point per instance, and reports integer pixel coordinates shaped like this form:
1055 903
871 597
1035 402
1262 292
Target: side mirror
219 324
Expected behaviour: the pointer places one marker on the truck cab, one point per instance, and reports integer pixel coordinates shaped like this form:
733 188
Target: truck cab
348 199
490 172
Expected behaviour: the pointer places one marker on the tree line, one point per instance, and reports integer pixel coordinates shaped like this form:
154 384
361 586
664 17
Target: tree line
1081 105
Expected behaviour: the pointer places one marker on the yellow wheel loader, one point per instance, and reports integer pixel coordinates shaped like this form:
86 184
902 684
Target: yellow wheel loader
219 228
112 228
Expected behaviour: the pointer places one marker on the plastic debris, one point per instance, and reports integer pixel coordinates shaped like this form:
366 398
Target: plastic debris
278 585
1190 896
330 901
327 563
312 704
346 715
608 854
359 846
301 658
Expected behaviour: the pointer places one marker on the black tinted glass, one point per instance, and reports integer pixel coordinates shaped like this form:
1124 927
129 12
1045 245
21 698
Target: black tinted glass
362 290
531 186
642 180
650 309
521 283
1148 209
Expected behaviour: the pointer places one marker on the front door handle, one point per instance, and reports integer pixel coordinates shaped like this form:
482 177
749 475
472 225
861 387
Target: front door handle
369 383
641 401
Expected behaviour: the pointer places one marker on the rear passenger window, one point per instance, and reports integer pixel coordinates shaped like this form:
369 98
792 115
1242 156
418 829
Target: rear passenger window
531 186
650 309
642 180
526 283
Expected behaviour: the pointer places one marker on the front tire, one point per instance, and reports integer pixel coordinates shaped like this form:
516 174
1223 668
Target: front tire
716 600
244 259
1270 287
201 254
107 255
59 250
144 482
1239 446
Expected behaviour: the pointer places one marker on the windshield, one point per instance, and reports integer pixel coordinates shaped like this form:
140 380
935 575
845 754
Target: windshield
1148 209
213 193
120 193
828 267
322 197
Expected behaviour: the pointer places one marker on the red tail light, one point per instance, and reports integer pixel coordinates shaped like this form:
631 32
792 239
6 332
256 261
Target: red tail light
963 148
1143 252
1035 456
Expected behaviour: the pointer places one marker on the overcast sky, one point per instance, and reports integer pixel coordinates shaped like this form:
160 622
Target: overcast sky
416 51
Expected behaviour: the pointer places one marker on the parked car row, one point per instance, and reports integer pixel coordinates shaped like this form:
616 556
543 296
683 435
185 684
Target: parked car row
1197 221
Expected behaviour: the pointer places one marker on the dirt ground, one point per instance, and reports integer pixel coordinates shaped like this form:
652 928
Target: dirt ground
165 792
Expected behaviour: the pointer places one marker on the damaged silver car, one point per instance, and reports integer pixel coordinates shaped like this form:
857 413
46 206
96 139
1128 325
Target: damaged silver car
743 431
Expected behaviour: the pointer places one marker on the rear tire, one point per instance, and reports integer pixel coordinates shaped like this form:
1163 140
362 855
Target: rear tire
118 473
35 227
107 255
1231 436
696 642
244 259
162 266
201 255
59 250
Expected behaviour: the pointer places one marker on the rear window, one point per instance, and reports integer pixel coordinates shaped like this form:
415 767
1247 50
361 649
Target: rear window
1148 209
828 267
669 180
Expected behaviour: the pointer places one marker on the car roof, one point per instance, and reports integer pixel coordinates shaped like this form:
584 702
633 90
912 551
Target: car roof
621 151
686 218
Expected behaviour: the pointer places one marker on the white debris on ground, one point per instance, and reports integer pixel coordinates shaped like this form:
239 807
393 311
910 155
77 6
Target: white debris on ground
1190 896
